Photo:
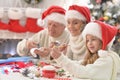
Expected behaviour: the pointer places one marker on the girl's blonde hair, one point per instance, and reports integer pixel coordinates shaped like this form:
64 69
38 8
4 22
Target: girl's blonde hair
89 58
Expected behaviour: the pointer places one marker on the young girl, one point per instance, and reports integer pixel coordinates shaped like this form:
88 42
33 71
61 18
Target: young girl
100 63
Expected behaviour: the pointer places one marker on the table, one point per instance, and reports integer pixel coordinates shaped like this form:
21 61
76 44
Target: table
18 76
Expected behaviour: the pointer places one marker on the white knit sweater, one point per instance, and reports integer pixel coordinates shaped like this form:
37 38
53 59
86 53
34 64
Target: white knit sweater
104 68
43 39
76 48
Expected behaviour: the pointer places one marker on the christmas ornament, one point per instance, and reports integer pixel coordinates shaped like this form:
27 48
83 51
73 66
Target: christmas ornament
32 15
15 15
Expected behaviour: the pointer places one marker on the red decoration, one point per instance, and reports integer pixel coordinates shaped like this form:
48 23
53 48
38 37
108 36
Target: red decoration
31 25
6 71
16 27
48 73
61 79
4 26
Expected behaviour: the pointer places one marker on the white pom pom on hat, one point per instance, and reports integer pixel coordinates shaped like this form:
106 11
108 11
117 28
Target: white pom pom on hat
54 13
102 53
41 22
101 30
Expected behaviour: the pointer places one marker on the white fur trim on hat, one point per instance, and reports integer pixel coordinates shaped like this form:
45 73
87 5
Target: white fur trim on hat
57 17
1 12
75 14
93 29
33 12
15 13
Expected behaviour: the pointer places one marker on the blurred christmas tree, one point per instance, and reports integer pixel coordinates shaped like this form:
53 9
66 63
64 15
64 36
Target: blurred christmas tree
108 12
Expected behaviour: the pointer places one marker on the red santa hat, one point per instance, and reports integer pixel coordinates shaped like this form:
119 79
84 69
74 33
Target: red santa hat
78 12
55 13
101 30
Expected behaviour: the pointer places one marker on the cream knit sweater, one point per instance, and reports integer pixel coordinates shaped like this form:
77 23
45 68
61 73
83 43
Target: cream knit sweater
42 39
76 48
104 68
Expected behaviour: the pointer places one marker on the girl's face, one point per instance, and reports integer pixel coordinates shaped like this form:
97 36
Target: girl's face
74 26
93 43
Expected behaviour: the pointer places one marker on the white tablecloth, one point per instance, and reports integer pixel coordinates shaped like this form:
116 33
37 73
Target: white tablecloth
18 76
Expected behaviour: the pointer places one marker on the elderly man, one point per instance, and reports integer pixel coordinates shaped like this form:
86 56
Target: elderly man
40 42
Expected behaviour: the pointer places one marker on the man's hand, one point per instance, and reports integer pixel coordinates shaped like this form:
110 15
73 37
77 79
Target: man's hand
43 52
30 44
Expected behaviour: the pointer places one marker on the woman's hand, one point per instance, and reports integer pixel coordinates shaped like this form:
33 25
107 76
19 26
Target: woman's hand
63 48
55 52
56 43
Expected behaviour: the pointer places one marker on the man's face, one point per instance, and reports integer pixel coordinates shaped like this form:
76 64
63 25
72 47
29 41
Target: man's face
55 29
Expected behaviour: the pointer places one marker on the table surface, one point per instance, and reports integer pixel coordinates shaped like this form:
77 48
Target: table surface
19 76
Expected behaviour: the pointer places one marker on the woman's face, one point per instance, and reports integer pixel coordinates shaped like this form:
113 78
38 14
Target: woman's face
75 26
55 29
93 43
